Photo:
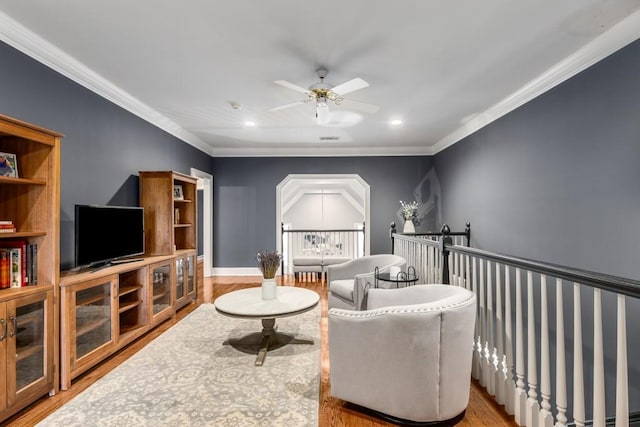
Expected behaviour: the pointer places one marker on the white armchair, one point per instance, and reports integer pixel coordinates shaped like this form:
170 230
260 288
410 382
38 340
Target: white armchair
349 281
409 355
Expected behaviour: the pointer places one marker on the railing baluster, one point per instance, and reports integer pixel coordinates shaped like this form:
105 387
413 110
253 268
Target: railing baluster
484 377
510 385
598 362
578 373
477 353
546 419
622 375
521 395
490 351
561 369
499 368
533 408
488 319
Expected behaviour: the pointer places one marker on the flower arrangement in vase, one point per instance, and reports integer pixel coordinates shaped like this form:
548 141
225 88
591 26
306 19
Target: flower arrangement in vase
268 262
409 211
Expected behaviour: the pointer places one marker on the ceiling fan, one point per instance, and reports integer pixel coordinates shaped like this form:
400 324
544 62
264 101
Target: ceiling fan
322 94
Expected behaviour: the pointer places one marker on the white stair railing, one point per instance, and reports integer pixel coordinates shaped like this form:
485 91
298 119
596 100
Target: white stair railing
497 281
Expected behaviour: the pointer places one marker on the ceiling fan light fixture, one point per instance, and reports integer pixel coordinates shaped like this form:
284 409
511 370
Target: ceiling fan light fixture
322 112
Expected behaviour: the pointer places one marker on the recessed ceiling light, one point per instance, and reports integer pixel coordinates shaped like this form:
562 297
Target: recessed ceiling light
396 122
249 123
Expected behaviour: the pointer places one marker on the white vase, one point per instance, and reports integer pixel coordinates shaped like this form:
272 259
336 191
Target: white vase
408 226
269 289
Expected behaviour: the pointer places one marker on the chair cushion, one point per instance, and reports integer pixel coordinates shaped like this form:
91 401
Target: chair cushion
342 288
307 260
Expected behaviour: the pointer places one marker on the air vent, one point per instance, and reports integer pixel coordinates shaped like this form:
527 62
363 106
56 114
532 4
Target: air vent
329 138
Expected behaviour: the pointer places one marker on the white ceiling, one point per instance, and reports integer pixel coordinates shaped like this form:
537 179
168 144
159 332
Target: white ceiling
445 68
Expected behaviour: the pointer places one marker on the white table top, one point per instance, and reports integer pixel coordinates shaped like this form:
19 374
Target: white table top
249 303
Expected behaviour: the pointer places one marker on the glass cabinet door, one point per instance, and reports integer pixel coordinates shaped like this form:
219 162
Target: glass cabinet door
29 327
93 318
180 279
190 272
29 352
161 281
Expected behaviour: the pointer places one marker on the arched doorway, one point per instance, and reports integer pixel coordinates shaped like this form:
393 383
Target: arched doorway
323 201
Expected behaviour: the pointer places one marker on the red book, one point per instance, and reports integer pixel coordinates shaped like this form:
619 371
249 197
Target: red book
22 245
5 277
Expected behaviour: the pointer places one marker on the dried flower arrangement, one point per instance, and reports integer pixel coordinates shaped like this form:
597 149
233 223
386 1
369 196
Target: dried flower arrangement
409 209
268 262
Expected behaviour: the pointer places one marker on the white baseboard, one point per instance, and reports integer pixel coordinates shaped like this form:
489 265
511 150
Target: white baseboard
237 271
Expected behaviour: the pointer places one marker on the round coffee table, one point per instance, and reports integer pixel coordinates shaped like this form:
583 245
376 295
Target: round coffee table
248 304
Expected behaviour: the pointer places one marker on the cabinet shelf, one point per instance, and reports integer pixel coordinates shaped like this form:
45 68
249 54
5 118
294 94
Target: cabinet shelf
125 329
25 234
162 293
182 225
124 290
129 306
91 299
21 181
28 351
90 326
182 201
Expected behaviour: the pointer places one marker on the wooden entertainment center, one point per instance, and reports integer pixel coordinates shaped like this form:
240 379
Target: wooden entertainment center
52 331
103 311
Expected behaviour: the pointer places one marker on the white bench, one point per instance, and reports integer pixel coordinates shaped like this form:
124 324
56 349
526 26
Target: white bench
315 264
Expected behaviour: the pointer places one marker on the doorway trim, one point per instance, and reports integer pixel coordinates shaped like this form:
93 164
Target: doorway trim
205 183
315 178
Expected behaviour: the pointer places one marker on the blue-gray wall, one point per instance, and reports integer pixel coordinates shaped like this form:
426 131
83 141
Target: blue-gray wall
104 146
245 196
559 180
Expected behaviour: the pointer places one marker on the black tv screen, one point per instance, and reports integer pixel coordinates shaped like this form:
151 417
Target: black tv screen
106 233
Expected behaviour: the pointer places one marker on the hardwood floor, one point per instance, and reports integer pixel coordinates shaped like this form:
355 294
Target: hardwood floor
482 410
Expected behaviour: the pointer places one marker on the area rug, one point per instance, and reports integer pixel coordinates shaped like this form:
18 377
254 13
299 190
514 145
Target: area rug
192 376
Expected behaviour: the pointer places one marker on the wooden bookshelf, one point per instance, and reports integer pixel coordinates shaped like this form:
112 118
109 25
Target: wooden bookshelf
31 200
170 222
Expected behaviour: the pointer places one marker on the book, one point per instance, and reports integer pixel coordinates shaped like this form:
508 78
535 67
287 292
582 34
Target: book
16 267
5 280
34 264
8 230
22 259
6 222
6 226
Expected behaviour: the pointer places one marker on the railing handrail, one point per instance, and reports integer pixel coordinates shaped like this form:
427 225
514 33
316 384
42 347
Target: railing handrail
319 230
617 284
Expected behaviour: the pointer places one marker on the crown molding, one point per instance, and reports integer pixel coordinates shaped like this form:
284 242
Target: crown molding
329 150
21 38
620 35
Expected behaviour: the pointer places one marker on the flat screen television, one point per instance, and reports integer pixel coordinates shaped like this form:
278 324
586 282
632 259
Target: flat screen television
106 234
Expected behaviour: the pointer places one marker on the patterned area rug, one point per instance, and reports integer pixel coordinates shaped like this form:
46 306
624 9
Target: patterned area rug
192 376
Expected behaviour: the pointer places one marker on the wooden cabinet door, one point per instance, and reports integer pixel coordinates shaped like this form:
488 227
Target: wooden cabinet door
190 275
161 291
29 355
4 337
181 286
93 322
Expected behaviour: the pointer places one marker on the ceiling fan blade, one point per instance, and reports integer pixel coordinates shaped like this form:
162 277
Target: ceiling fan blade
285 106
291 86
350 86
361 106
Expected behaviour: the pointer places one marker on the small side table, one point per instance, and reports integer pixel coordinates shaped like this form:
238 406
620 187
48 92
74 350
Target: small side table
406 278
